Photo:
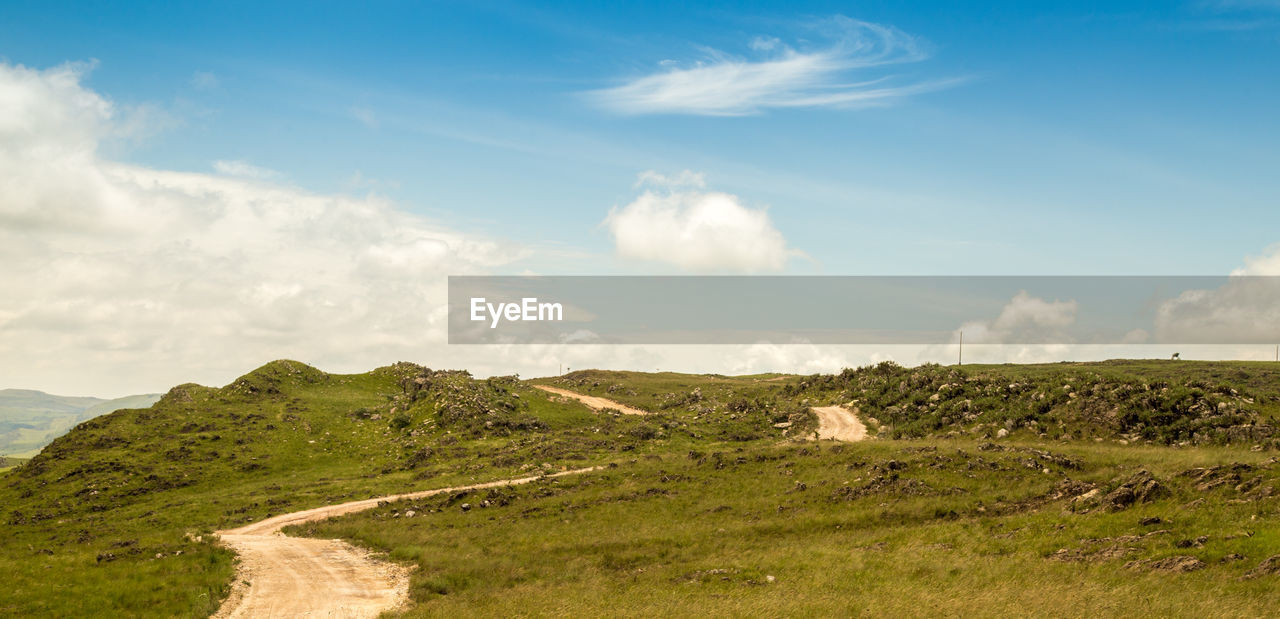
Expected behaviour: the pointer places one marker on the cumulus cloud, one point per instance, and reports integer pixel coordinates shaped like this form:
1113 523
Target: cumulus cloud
834 73
1024 319
677 222
174 276
1246 309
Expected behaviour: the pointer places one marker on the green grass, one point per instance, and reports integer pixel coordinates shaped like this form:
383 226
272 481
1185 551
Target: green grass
114 517
886 527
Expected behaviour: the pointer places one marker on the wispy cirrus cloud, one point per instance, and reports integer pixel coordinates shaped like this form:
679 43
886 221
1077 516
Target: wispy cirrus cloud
835 73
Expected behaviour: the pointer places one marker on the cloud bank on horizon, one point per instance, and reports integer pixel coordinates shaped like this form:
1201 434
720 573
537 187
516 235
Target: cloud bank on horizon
116 265
128 278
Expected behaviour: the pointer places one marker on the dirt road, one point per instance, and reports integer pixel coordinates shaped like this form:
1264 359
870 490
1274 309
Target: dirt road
593 401
304 577
839 423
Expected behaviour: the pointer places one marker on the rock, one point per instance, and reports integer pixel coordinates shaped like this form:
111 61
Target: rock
1141 487
1002 433
1235 556
769 578
1179 563
466 507
1269 566
1146 522
410 514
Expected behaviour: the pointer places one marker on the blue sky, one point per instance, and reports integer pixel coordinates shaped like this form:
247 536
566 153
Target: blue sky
187 191
1084 138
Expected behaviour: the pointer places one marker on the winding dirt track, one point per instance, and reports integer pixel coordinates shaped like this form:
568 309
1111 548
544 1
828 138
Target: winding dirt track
281 576
304 577
839 423
593 401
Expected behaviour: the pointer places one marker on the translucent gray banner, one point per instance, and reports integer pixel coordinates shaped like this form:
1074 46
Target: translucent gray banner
864 310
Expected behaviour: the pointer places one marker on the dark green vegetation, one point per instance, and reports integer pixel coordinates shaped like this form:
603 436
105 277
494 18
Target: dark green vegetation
29 420
712 494
113 517
1162 402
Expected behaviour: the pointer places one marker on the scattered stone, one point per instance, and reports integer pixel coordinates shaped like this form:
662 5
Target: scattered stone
1179 563
1269 566
1146 522
1141 487
1002 433
1085 554
466 507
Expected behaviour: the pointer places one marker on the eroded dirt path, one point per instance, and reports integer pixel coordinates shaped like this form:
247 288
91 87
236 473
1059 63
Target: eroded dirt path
304 577
593 401
839 423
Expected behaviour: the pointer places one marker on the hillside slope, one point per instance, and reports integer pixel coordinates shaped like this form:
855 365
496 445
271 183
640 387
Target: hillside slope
115 516
30 419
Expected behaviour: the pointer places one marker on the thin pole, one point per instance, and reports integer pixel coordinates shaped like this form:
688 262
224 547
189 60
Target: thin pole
961 359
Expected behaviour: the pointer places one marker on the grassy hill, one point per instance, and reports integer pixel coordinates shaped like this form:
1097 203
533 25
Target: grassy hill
706 498
29 419
114 516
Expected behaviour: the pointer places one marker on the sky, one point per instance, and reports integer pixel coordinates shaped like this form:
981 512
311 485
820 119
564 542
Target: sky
189 191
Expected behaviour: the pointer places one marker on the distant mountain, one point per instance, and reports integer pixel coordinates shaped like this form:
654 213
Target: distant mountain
30 419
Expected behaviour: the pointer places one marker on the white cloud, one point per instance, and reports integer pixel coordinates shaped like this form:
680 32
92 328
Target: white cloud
780 76
243 169
706 231
1267 264
1024 319
1244 309
121 277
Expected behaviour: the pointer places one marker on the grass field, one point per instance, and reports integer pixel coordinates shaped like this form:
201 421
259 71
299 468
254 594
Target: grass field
114 517
710 495
883 527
